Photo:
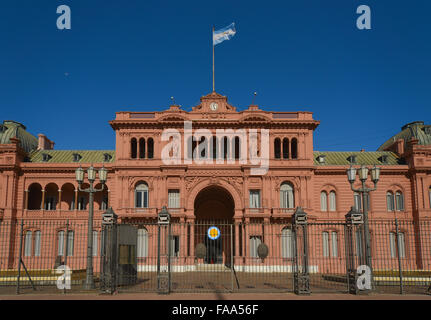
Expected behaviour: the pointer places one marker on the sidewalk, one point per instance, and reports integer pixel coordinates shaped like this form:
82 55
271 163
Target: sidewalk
212 296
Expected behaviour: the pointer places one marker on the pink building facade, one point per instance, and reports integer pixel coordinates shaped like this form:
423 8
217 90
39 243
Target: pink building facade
256 173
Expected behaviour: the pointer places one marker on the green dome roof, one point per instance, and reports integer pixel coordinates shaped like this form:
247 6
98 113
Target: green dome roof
417 130
12 129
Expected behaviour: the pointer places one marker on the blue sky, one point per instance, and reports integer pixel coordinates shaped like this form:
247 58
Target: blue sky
133 55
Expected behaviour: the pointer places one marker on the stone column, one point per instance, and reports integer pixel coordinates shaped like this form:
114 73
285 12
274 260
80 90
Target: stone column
237 240
76 199
43 200
183 240
192 240
59 200
25 199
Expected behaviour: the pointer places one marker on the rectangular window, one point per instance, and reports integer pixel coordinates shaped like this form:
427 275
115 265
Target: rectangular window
393 245
142 247
332 201
37 240
255 199
400 201
60 243
390 201
325 242
175 246
402 245
142 199
287 243
174 198
28 243
323 201
255 241
334 243
70 244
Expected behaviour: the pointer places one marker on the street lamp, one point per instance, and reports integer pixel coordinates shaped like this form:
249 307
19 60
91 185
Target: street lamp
91 175
364 191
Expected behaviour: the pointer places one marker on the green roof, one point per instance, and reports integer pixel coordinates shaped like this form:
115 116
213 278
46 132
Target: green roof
12 129
411 130
67 156
367 158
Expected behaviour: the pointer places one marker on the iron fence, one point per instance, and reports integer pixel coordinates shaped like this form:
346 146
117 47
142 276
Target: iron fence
35 254
220 256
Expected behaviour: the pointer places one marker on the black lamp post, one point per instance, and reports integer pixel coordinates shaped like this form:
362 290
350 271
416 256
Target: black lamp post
364 191
91 174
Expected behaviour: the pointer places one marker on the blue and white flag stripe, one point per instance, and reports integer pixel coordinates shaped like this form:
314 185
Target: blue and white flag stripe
224 34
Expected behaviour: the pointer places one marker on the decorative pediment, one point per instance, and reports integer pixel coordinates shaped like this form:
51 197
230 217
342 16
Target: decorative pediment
214 103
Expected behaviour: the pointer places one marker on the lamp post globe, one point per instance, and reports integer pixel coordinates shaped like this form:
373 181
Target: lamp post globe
79 175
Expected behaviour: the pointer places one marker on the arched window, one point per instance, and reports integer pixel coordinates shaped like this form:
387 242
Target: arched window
37 241
142 148
390 203
287 196
141 196
28 243
133 148
399 200
214 147
332 201
190 147
294 146
287 243
150 144
226 147
236 147
277 148
202 147
323 201
34 197
142 248
285 148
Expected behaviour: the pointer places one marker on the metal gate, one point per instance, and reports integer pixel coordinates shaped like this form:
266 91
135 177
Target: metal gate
288 255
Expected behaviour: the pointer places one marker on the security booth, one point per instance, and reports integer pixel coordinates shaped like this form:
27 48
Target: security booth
118 258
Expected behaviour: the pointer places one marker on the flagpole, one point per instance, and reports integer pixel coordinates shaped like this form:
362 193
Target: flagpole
213 61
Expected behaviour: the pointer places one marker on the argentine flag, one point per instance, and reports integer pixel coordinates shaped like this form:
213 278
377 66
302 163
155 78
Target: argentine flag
224 34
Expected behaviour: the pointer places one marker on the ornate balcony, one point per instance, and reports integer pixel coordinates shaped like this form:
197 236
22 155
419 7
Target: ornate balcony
282 212
257 212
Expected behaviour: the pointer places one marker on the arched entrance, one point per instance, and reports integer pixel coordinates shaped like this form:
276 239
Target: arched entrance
214 207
